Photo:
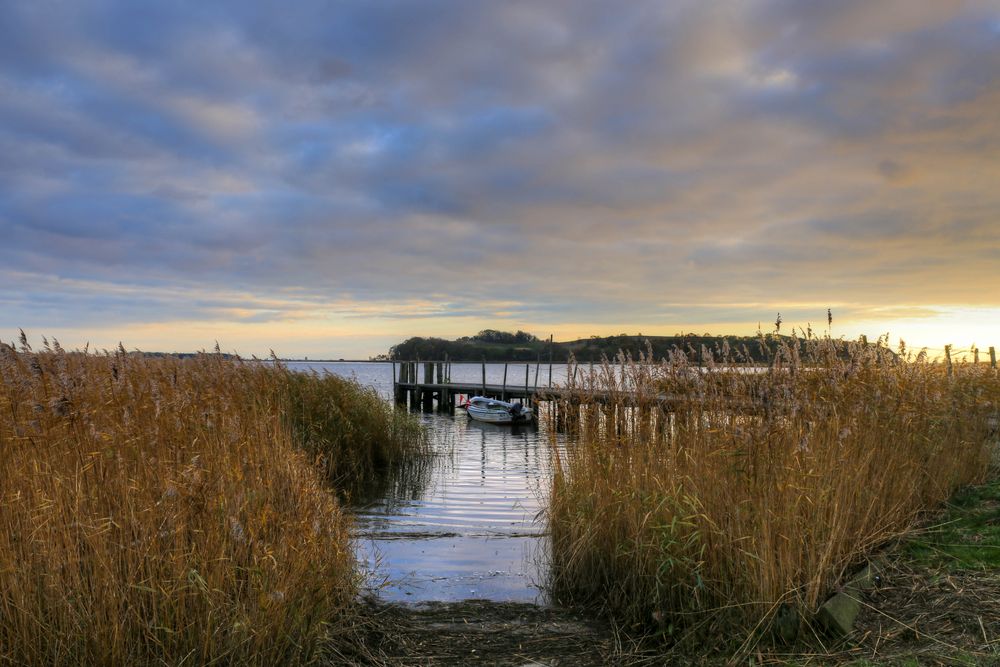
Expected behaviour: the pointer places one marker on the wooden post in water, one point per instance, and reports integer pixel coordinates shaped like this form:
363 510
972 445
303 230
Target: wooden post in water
396 391
947 358
427 395
413 383
537 364
484 376
550 360
527 401
503 392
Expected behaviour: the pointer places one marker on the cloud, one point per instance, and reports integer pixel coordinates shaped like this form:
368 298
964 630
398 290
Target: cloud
546 163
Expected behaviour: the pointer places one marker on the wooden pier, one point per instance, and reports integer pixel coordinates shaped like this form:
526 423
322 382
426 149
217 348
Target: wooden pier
437 390
435 387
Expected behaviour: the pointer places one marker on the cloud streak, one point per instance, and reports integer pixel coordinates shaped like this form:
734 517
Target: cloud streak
516 162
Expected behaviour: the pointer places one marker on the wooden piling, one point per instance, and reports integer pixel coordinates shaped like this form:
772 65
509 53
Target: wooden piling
503 391
550 360
526 369
484 376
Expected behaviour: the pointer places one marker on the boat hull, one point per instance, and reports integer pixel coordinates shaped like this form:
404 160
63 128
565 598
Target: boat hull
497 412
490 416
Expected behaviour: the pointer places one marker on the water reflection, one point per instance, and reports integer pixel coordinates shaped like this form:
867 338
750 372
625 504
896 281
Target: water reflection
473 532
464 524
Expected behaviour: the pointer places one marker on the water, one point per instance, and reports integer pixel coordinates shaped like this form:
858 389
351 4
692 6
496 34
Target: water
467 526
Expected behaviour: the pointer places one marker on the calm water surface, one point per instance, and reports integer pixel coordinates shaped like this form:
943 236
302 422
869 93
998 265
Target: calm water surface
467 525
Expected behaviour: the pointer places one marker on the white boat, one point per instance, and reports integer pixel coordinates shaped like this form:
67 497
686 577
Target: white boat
493 411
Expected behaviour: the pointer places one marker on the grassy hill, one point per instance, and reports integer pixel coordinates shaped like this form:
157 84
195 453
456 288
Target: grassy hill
502 346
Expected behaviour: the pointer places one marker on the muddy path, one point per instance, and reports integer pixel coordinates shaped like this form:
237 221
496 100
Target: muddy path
491 633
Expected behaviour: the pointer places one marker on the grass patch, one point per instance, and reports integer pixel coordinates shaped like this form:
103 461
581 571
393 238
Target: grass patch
966 536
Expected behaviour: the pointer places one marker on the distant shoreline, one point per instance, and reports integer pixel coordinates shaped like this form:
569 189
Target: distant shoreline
338 361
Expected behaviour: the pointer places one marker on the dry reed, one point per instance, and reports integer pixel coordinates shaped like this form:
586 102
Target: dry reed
160 510
708 499
359 441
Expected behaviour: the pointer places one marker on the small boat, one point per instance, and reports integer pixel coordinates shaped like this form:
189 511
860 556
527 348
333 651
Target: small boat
492 411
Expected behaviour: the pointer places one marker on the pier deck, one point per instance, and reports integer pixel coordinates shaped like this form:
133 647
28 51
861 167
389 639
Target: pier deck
437 388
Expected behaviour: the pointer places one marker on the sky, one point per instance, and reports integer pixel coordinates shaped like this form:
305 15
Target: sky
325 179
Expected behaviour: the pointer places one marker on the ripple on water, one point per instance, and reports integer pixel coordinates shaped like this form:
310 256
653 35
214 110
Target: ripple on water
475 531
470 529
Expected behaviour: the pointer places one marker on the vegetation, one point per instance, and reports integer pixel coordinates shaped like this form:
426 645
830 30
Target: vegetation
967 536
763 487
355 436
502 346
159 510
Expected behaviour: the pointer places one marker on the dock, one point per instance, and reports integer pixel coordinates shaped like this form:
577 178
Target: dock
435 387
436 390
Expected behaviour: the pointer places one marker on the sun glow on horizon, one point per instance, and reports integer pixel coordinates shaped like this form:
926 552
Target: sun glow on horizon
365 337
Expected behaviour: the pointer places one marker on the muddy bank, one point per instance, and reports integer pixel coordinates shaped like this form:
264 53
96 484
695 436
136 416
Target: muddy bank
491 633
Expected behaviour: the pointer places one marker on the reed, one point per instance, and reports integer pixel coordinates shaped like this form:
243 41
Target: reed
699 500
159 510
356 437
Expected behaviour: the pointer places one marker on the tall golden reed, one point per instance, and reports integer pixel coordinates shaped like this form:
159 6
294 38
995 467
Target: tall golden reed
159 510
707 498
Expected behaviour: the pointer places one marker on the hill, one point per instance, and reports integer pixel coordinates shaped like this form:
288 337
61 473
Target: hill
502 346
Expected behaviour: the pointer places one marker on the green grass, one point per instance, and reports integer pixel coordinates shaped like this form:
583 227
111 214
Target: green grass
967 536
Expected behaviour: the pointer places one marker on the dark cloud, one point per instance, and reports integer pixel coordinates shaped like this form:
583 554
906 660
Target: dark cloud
591 157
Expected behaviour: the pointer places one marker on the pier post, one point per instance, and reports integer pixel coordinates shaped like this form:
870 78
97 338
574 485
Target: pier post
503 391
550 360
527 398
484 376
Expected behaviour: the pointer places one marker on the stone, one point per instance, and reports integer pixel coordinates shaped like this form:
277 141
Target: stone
837 615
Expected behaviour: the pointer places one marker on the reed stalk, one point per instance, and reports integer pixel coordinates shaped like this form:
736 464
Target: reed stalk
704 493
168 511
